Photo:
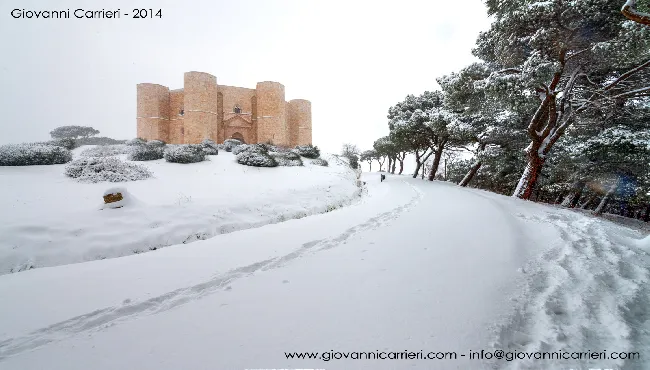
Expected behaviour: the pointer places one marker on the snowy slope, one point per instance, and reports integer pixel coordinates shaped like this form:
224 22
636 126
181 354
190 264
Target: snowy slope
414 266
49 219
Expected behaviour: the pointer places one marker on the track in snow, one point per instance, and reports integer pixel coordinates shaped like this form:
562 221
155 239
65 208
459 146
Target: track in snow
110 316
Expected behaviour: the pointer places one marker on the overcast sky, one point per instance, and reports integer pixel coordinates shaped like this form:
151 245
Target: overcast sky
351 59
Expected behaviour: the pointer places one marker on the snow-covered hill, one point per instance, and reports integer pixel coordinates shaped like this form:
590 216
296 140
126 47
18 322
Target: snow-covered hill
49 219
413 266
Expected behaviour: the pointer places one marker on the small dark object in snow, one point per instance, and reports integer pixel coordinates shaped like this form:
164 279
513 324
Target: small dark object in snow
383 177
112 198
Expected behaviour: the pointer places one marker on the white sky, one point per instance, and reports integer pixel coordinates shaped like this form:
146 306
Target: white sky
351 59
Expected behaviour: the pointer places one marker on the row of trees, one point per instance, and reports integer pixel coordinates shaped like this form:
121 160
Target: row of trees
557 110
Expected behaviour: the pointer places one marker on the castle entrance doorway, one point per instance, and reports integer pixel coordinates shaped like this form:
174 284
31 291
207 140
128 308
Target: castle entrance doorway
239 137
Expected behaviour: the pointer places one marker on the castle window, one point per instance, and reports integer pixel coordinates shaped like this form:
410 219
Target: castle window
182 112
236 109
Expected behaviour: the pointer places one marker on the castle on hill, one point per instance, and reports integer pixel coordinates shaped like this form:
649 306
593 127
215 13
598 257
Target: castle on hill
205 110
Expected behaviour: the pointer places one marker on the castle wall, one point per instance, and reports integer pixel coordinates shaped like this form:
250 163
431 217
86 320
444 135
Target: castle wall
152 111
300 121
236 96
203 109
176 119
271 113
200 103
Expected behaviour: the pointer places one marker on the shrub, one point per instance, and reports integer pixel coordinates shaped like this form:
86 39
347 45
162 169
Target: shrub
308 151
256 159
105 151
230 144
147 152
136 141
256 148
279 149
288 159
156 143
97 169
66 142
353 161
187 153
209 147
101 140
33 154
319 162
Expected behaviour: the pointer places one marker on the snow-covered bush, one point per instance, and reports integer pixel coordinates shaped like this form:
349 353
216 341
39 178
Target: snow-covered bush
156 143
239 148
288 159
256 148
209 147
33 154
319 162
256 159
136 141
150 151
186 153
279 149
97 169
65 142
308 151
97 140
105 151
230 144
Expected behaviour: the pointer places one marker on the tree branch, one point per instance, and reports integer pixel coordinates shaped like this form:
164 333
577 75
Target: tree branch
629 10
627 75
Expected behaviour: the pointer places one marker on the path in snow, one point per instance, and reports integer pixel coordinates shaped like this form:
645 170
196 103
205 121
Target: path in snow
415 266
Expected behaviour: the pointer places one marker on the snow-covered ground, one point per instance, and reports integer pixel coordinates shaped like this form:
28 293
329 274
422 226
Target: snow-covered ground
413 265
48 219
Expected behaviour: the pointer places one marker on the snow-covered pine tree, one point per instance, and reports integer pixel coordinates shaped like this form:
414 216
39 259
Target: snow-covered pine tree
571 57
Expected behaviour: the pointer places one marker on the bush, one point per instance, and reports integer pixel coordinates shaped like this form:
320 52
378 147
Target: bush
187 153
147 152
308 151
209 147
97 169
67 143
33 154
319 162
101 140
256 159
353 160
156 143
105 151
279 149
288 159
256 148
230 144
136 141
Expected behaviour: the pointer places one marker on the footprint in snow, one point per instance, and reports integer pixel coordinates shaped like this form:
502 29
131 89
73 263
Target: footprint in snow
126 301
285 281
228 287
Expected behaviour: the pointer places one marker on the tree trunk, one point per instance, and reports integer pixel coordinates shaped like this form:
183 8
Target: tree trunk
401 166
436 163
418 165
370 168
528 179
646 215
394 164
571 200
389 163
587 202
470 174
603 202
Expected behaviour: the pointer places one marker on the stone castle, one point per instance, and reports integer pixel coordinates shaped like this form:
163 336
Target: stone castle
205 110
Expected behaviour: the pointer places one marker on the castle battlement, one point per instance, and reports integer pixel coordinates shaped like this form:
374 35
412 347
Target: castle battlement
202 109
